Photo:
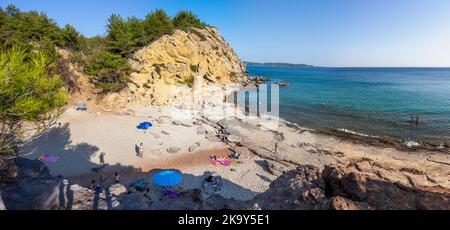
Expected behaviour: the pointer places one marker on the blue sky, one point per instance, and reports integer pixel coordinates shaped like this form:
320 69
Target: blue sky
318 32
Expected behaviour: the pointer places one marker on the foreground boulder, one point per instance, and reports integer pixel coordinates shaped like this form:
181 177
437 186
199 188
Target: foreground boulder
371 191
299 189
304 188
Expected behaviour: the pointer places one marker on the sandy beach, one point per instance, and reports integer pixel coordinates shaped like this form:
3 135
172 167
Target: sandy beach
94 144
86 140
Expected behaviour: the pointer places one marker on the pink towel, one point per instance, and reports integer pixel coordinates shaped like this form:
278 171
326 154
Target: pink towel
51 158
224 162
214 162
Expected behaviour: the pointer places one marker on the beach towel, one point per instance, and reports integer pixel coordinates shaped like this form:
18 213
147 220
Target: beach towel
171 194
49 158
221 161
225 162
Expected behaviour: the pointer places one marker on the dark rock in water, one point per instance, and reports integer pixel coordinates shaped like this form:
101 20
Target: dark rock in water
259 79
282 84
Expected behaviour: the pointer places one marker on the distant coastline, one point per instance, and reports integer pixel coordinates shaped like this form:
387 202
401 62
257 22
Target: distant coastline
277 64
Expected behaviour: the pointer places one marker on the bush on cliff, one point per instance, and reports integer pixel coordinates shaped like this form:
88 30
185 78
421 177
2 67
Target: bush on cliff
104 58
109 71
186 19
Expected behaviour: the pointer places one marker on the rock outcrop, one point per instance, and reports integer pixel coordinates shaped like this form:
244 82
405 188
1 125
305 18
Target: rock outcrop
36 189
305 188
173 61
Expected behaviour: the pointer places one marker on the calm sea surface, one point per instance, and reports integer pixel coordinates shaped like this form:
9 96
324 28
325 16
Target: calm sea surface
375 101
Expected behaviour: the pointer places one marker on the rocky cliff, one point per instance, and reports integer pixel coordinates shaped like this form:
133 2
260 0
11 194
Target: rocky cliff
173 61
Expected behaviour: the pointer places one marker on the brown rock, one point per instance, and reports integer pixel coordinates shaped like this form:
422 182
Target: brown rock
341 203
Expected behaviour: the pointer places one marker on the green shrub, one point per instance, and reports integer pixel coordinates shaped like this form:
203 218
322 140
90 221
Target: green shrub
76 57
195 68
200 35
109 71
104 58
28 93
188 81
158 68
186 19
124 36
157 24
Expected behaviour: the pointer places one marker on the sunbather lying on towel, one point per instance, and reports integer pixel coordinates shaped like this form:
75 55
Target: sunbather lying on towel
215 161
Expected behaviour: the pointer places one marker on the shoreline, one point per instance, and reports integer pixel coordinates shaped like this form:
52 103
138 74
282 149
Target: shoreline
84 135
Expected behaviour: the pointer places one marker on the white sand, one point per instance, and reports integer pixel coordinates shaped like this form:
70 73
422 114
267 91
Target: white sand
83 136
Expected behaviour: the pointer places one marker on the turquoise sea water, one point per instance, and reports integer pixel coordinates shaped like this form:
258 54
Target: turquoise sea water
375 101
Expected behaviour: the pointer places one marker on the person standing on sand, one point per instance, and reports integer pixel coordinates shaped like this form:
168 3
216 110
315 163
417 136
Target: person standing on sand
141 150
276 147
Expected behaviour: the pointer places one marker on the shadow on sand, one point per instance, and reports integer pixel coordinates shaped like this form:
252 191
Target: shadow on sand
57 142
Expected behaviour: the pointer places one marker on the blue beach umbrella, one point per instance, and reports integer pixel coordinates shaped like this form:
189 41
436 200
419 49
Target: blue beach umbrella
167 178
81 106
144 125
